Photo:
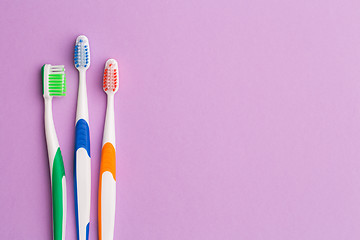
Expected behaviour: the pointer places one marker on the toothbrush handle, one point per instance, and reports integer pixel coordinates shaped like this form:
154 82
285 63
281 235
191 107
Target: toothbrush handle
82 179
57 173
107 192
58 190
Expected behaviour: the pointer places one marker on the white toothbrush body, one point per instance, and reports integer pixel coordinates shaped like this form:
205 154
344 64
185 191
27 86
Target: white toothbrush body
82 161
107 181
54 84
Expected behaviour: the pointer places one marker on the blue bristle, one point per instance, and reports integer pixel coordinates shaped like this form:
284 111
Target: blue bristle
81 54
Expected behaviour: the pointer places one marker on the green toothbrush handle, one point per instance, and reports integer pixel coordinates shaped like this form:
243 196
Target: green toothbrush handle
58 188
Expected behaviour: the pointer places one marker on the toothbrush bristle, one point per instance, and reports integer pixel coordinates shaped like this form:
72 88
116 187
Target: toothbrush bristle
82 52
111 76
55 80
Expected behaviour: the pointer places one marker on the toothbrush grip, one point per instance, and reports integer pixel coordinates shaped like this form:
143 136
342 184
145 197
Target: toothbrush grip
82 179
107 192
58 190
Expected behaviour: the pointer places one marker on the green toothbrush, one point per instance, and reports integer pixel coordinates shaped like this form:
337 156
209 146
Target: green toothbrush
54 84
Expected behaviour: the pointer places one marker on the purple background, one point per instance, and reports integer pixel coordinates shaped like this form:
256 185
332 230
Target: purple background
235 119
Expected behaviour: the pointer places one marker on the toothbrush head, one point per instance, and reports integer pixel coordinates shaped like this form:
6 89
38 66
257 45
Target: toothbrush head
54 80
82 53
111 76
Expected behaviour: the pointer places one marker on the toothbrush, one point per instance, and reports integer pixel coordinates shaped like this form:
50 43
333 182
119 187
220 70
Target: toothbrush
82 163
54 84
107 181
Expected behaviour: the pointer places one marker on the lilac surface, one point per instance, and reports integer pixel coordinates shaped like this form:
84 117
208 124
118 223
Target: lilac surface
235 119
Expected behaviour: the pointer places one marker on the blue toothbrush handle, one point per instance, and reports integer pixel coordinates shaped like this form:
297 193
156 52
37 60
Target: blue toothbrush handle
82 179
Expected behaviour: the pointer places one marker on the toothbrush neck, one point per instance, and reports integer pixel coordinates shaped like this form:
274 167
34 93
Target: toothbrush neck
109 128
49 122
50 133
82 104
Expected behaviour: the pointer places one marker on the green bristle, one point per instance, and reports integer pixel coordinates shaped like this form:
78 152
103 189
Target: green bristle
57 84
56 80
